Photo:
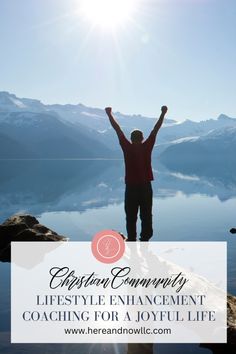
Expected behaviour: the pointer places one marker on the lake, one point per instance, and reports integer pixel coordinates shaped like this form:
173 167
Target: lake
78 198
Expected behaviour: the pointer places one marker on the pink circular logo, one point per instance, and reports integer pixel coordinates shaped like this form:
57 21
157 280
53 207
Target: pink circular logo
108 246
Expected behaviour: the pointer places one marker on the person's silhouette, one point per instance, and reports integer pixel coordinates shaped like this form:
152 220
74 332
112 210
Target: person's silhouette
138 176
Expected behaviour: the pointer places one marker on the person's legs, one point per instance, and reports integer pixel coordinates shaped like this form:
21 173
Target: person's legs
146 212
131 210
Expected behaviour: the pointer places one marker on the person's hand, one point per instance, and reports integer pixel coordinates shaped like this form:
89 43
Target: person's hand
164 109
108 110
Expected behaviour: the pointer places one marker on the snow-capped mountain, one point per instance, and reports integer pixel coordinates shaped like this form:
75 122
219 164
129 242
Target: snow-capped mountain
10 103
80 116
29 122
216 148
44 135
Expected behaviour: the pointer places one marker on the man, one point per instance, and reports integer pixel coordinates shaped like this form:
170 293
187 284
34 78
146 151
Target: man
138 176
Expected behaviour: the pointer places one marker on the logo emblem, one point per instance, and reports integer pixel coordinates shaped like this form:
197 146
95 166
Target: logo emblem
108 246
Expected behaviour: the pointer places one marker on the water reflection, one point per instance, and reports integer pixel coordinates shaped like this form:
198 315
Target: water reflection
215 179
80 197
77 185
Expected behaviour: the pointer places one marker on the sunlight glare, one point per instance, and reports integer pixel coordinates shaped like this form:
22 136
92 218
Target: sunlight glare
108 13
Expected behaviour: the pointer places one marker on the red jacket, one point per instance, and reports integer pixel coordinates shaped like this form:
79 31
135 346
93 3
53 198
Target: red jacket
138 167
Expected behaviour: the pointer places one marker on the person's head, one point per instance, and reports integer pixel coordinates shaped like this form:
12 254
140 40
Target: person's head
136 136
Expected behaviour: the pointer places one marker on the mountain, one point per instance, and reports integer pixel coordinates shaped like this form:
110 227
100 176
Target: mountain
10 103
10 148
189 128
216 148
62 131
44 135
93 120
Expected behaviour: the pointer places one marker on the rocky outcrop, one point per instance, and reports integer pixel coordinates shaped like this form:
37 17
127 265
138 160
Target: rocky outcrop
23 228
230 346
231 319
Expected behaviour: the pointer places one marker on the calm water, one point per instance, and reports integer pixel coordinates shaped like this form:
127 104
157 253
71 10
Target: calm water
77 198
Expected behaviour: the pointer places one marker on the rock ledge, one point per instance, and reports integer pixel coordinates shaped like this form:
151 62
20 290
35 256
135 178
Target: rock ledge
23 227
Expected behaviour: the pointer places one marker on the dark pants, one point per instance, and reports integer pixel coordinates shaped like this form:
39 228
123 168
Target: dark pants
139 198
140 348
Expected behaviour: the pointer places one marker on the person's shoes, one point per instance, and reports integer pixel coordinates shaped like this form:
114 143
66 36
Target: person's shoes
233 231
123 236
143 239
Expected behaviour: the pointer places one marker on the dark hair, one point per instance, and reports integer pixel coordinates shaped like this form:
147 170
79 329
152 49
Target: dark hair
136 136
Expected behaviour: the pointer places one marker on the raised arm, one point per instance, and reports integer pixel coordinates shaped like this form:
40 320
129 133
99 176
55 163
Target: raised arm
113 122
158 124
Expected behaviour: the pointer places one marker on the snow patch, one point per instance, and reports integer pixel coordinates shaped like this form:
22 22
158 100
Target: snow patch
102 131
17 102
185 177
182 140
91 114
102 185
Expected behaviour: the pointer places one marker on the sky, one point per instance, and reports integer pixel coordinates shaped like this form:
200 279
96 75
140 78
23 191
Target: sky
180 53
